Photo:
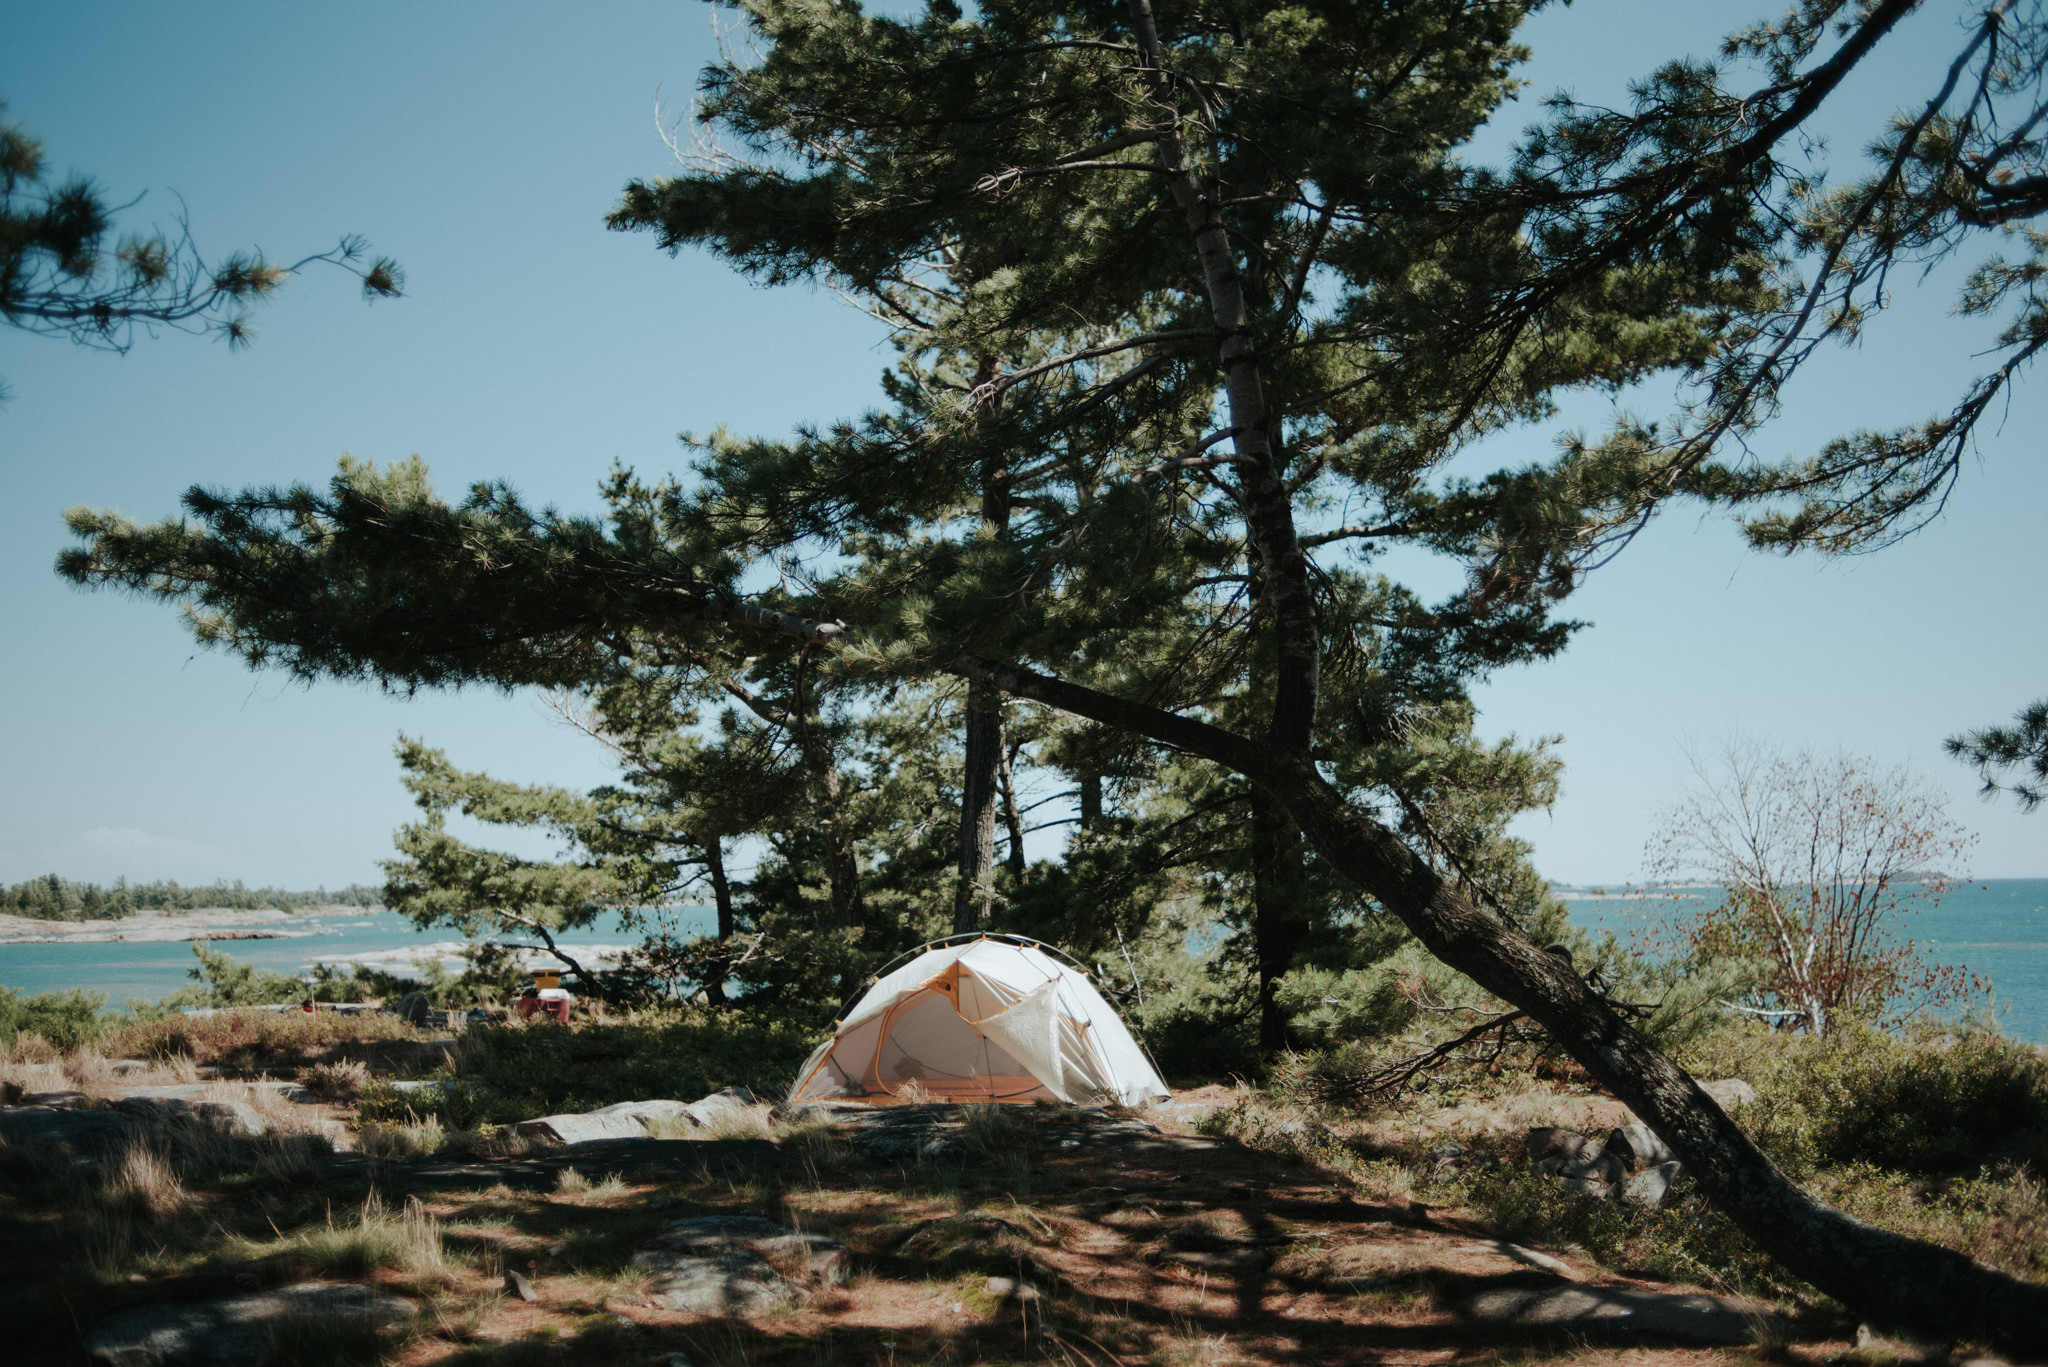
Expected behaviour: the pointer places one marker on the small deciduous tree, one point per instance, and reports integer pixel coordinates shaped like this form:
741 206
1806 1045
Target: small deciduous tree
1820 859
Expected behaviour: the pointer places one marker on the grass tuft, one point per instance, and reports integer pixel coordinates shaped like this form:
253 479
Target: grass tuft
142 1180
400 1140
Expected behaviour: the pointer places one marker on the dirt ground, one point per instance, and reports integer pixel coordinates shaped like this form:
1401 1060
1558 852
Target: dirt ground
1183 1250
1121 1244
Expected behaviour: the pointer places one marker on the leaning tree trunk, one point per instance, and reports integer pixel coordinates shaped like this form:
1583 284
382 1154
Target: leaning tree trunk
1886 1277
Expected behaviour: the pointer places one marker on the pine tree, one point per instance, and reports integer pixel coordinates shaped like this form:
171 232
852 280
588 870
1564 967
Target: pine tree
56 278
1247 309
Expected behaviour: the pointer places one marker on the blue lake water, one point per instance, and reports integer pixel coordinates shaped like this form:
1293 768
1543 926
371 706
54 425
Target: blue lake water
1998 928
128 969
1995 927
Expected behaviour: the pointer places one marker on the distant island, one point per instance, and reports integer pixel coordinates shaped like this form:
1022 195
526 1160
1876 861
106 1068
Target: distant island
51 898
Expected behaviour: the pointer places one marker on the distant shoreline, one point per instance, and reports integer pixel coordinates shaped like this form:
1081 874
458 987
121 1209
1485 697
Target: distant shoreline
156 927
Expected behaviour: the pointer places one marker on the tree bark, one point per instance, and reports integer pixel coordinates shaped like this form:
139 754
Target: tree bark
974 891
982 746
721 888
1012 818
842 860
1262 490
1279 926
1091 800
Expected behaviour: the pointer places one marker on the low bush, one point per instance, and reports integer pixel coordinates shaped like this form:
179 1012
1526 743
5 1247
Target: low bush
504 1073
1327 1007
253 1039
63 1020
1929 1102
398 1139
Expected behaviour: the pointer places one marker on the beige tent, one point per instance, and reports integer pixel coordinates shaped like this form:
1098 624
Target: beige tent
995 1018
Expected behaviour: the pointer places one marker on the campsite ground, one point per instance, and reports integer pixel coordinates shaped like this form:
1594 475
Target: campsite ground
1158 1239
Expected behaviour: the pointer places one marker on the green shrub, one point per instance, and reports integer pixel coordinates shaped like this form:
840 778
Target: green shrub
220 979
64 1020
516 1071
1327 1007
1925 1103
1198 1024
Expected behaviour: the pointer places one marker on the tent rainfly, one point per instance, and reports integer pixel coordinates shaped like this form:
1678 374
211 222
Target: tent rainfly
993 1019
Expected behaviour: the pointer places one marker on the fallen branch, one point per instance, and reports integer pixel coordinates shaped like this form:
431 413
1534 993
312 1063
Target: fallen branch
1400 1074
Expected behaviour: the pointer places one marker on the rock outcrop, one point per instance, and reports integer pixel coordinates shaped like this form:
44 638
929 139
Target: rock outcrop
633 1119
735 1264
1616 1312
1633 1164
239 1331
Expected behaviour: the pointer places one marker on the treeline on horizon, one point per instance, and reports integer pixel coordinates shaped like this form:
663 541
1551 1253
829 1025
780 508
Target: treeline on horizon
50 898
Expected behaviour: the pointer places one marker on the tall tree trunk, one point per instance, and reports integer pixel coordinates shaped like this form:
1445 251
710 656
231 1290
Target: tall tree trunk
1279 920
1012 818
982 745
1091 799
721 888
842 860
1262 489
721 898
974 892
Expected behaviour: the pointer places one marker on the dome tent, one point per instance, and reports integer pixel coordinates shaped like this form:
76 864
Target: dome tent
992 1018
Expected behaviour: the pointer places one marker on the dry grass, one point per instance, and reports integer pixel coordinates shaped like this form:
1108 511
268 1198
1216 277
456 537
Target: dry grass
89 1071
740 1122
574 1186
408 1242
496 1141
1187 1346
340 1080
401 1139
141 1180
245 1039
30 1069
289 1163
32 1066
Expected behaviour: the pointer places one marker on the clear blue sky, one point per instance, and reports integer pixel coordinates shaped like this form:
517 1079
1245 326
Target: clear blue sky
481 145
